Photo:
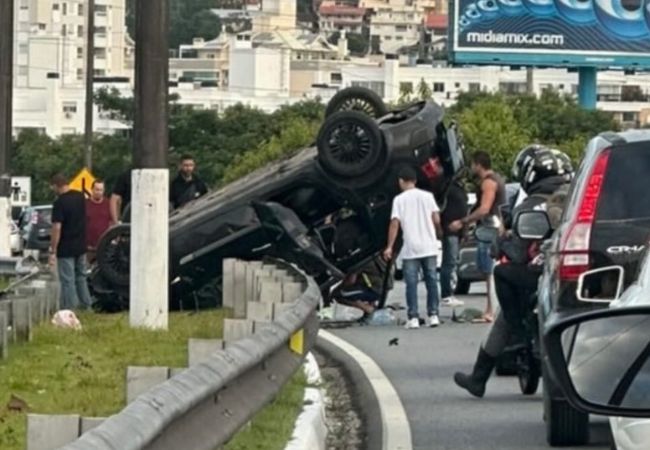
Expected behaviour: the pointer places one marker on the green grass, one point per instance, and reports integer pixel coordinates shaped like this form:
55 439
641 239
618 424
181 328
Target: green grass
4 282
271 429
63 371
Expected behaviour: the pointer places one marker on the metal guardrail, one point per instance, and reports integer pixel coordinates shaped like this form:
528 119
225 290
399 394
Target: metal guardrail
205 405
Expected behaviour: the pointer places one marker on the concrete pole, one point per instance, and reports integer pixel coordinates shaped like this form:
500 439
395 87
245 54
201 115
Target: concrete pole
90 76
587 87
6 105
149 273
530 80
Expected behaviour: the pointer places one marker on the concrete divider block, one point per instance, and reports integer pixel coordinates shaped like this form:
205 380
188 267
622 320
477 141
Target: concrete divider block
270 292
4 342
6 307
260 311
239 290
249 285
199 350
228 280
88 423
49 432
291 291
21 319
140 379
235 329
279 308
260 325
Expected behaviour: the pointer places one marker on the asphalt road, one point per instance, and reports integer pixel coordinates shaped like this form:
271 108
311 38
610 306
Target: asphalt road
442 416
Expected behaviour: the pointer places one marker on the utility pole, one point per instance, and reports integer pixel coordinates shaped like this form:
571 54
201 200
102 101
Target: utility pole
90 74
6 105
530 80
149 268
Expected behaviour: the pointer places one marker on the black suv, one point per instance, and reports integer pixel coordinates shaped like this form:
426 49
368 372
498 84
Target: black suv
327 208
606 222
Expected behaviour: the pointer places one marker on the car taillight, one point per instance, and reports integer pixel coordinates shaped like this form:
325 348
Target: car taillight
574 253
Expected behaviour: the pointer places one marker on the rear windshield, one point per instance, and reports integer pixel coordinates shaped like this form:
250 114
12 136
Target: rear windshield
45 215
625 195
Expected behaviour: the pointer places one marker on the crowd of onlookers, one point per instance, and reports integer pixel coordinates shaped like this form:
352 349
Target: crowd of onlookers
79 220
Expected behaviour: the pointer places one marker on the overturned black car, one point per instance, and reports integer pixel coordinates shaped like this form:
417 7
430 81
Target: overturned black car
326 209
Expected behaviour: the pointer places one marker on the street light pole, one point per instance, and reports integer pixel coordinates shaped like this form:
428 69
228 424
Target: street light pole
90 74
6 105
149 268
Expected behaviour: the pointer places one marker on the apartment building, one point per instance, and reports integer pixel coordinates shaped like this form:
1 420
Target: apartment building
276 15
334 17
50 36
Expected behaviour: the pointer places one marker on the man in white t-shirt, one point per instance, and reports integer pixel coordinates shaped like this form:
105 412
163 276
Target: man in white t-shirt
415 211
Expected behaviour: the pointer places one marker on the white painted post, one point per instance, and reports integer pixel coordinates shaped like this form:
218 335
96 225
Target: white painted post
149 287
5 217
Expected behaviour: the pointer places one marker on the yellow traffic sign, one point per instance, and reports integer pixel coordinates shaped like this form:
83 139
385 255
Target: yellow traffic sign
83 182
297 342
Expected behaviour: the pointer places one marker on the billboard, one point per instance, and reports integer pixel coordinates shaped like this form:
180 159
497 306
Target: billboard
599 33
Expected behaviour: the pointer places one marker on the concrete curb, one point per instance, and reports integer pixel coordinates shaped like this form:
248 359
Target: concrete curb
396 430
310 430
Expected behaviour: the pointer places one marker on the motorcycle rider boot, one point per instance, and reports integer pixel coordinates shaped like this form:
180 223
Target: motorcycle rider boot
475 382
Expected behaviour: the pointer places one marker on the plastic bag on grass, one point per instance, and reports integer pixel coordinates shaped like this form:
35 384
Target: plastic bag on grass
66 319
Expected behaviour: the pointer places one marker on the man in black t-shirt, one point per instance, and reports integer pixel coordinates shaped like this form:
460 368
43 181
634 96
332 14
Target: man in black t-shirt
186 186
68 244
121 196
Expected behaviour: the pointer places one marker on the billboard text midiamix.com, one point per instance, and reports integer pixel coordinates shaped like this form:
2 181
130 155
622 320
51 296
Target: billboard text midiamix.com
491 37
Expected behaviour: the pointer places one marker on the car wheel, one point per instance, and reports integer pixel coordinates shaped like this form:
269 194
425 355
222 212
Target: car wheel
565 425
113 255
506 365
350 145
462 287
357 99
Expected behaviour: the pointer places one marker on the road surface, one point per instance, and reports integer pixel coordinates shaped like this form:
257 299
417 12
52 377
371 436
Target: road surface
442 416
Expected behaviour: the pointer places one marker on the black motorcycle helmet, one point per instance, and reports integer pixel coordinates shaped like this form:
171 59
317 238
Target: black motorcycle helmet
523 157
565 164
544 163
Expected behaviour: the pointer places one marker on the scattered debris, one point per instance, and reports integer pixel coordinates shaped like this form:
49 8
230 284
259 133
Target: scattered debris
394 341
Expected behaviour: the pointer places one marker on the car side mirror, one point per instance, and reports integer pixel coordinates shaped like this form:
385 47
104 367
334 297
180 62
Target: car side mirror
533 225
602 285
601 360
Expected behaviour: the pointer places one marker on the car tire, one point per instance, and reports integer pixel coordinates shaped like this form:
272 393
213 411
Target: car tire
357 99
462 287
350 146
506 365
565 425
113 255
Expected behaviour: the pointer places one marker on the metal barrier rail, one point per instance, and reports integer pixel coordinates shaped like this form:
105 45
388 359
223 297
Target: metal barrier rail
205 405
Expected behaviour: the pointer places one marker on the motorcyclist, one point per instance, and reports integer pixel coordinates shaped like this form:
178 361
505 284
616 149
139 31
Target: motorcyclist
542 173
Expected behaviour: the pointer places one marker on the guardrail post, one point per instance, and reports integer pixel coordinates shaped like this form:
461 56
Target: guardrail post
199 350
234 329
88 423
140 379
47 432
21 319
6 307
4 344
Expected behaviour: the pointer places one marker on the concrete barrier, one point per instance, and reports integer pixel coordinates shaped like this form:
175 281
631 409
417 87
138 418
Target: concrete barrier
140 379
4 342
198 350
49 432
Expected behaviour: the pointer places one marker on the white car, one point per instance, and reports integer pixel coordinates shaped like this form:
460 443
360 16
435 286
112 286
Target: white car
608 370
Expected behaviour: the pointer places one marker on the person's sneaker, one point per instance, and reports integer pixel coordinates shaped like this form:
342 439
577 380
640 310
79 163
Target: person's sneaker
452 301
412 324
434 321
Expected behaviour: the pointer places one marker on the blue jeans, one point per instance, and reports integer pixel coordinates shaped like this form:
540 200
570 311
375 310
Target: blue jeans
411 269
74 286
450 255
484 262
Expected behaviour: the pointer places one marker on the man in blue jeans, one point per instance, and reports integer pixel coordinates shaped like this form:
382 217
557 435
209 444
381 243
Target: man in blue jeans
415 212
455 208
68 244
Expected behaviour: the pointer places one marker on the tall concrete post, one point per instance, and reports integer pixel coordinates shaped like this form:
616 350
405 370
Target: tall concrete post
6 105
587 87
149 273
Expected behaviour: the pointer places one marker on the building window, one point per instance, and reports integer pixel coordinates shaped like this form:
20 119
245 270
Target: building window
438 87
80 74
69 107
100 32
65 8
81 9
80 31
474 87
42 26
401 28
99 73
456 85
100 10
55 7
513 88
80 52
630 116
100 53
336 78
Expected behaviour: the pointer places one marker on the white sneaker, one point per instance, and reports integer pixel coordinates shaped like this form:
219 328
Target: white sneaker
452 301
412 324
434 321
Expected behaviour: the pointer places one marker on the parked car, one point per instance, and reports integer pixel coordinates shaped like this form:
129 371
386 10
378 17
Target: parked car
327 208
467 272
15 239
35 225
606 222
601 358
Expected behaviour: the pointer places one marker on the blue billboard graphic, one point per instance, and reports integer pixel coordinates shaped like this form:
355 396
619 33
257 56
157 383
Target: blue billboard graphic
553 32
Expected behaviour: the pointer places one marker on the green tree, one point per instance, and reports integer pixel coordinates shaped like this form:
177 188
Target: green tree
424 90
405 93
